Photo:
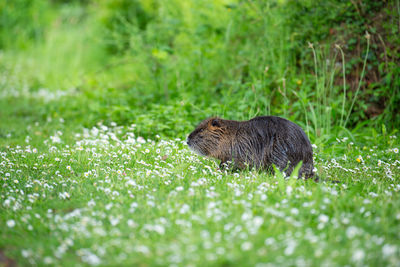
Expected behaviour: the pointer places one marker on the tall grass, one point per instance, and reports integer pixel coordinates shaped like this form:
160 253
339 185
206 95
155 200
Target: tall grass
187 59
327 111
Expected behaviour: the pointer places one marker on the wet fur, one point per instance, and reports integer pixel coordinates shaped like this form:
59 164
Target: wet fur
259 143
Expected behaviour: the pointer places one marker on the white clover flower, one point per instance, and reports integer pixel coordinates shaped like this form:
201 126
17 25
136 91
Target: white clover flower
159 229
289 190
352 231
246 246
372 194
258 221
141 140
185 208
291 246
131 223
142 249
11 223
114 221
26 253
91 259
91 203
48 260
7 202
55 139
358 255
269 241
323 218
388 250
294 211
64 195
314 146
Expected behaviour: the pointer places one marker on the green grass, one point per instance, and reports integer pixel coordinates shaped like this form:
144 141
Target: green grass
95 105
106 196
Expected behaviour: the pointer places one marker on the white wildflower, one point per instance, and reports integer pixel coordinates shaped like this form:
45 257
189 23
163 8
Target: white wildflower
11 223
246 246
185 208
388 250
323 218
64 195
358 255
291 246
352 231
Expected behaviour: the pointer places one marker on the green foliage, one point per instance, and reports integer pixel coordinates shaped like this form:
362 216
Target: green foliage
345 23
23 21
233 59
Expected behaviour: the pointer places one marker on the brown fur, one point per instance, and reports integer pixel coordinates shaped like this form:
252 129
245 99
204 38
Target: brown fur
259 143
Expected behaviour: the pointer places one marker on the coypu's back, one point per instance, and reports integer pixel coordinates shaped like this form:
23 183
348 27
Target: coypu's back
259 142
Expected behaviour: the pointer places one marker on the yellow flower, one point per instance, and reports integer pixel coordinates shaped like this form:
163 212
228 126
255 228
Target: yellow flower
159 54
358 159
299 82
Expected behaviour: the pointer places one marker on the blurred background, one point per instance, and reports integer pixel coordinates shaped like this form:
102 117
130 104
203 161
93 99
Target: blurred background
332 66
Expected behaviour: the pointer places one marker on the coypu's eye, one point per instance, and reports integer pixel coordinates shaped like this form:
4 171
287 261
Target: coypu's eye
215 123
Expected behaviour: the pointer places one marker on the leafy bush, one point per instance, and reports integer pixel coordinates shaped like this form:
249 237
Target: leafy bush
233 59
22 21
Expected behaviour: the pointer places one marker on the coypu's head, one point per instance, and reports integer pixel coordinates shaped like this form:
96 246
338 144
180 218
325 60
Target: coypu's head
211 137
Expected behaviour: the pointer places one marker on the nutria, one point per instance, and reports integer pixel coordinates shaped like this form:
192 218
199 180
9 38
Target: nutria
259 142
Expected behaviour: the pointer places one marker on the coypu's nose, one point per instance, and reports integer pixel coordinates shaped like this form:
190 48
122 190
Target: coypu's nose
189 139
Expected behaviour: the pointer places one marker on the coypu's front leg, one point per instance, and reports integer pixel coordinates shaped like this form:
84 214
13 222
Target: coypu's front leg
223 165
232 165
226 165
229 163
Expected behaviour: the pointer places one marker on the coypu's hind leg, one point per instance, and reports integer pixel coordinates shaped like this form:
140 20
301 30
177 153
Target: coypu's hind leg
306 170
280 159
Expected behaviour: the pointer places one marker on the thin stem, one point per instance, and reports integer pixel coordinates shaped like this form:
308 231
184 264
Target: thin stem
344 85
310 45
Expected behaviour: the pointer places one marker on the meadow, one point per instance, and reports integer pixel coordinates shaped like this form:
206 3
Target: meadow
97 99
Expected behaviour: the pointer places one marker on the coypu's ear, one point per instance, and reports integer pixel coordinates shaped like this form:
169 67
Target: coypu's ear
215 123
